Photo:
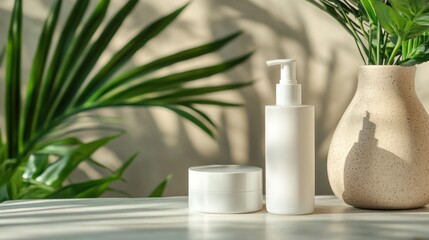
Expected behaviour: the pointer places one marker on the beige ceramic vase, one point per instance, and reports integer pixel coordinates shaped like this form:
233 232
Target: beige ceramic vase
379 154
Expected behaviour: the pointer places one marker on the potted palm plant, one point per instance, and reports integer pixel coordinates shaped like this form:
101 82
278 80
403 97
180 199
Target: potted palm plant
38 150
379 152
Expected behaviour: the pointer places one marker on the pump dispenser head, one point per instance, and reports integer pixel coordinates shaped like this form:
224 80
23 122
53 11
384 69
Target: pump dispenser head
287 70
288 91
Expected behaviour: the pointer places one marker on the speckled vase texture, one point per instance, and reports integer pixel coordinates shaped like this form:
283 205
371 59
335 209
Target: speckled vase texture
379 153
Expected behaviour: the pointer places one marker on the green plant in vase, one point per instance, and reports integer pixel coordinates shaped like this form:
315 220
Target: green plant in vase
393 32
379 151
38 147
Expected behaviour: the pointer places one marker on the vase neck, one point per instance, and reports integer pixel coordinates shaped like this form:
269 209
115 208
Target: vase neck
389 78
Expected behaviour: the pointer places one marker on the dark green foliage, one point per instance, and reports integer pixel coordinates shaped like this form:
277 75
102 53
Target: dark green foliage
40 149
386 32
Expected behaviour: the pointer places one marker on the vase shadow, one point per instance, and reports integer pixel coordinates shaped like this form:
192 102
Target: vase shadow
367 178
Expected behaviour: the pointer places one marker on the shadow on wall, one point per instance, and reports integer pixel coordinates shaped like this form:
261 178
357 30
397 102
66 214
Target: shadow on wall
167 144
254 106
363 178
164 152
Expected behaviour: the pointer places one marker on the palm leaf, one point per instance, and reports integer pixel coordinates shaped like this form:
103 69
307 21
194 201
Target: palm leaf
208 102
59 90
120 58
47 93
36 164
39 63
67 74
55 174
74 131
202 115
92 188
111 28
192 118
159 190
188 92
132 74
13 81
174 80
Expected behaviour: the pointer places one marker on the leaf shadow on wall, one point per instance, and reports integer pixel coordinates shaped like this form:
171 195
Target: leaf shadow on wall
167 145
323 100
163 153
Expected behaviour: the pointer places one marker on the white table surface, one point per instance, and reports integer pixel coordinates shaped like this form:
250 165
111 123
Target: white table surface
169 218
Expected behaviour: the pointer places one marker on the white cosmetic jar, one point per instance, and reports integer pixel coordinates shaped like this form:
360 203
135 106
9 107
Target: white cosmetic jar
225 189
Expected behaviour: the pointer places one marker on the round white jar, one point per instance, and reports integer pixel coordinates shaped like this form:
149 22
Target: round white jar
225 189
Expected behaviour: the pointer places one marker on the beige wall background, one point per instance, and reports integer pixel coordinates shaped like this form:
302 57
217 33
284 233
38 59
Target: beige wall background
327 62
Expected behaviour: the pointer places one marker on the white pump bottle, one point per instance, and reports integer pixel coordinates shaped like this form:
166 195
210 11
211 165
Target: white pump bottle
289 147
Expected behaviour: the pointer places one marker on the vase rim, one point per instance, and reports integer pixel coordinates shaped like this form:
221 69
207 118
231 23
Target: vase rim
386 67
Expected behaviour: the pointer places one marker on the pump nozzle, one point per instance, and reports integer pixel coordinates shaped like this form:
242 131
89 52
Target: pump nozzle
287 70
288 91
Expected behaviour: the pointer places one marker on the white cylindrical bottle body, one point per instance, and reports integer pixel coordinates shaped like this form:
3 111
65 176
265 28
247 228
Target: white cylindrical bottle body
289 159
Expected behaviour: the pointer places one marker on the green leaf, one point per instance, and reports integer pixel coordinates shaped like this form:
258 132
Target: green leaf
89 189
56 83
203 115
75 67
159 190
370 11
174 80
13 81
63 132
36 164
35 81
93 188
132 74
47 94
409 8
100 165
35 190
188 92
7 169
58 141
390 19
109 31
15 183
4 196
208 102
117 61
417 55
70 158
422 20
192 119
405 19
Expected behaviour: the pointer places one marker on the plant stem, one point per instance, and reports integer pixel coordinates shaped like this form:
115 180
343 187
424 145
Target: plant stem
385 37
358 40
393 55
370 60
378 43
365 35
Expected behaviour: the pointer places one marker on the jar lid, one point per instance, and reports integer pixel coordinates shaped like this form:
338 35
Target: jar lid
225 178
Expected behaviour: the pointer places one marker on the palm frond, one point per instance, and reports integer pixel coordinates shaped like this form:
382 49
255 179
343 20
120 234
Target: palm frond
41 147
47 93
132 74
73 62
13 81
35 81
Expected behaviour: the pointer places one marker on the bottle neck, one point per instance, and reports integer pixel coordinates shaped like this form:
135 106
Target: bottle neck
288 94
